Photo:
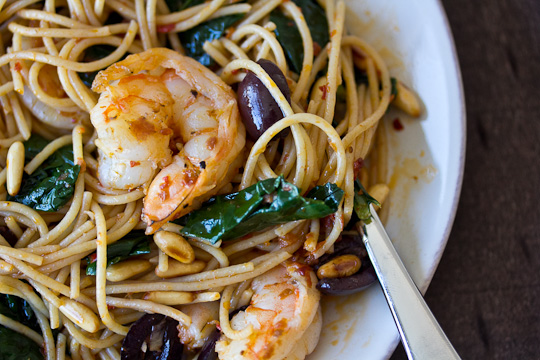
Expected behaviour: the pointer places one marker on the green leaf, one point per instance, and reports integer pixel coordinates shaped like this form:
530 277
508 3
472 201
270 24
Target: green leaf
194 38
19 310
33 146
133 244
361 77
15 346
316 21
289 36
362 200
394 91
52 184
178 5
94 53
267 203
341 105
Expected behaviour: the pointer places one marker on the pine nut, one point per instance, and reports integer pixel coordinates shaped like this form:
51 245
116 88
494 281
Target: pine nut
15 167
178 269
175 246
80 314
406 100
341 266
180 297
127 269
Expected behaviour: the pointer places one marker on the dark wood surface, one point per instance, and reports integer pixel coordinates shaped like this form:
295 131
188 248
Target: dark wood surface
486 291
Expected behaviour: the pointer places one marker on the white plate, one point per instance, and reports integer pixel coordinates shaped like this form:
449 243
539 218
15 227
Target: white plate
427 160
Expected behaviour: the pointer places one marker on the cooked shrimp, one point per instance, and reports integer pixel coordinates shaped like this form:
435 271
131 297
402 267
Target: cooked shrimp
153 104
309 340
284 305
203 320
62 118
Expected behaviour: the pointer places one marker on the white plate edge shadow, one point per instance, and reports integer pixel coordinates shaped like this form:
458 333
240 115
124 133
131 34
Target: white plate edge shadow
387 343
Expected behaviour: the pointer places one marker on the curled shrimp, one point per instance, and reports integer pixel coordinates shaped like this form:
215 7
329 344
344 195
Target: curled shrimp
285 316
62 118
63 113
154 104
203 321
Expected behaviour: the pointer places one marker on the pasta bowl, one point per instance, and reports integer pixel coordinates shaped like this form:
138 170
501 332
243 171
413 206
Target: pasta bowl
426 160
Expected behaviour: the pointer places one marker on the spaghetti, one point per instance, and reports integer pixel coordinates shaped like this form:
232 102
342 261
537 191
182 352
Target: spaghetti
65 231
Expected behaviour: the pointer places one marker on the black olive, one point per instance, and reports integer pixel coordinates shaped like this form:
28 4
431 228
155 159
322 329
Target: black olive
353 283
152 337
257 107
208 351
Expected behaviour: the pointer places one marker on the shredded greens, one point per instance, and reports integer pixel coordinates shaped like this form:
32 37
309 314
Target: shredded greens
133 244
267 203
289 36
94 53
52 184
194 39
362 200
15 346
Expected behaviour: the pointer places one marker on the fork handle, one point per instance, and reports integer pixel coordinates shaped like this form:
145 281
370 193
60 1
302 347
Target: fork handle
421 335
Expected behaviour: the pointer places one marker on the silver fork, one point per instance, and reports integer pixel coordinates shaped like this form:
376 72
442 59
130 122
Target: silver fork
421 334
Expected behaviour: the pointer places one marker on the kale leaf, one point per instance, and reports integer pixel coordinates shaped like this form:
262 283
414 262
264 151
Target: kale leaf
179 5
362 200
15 346
194 38
133 244
289 36
267 203
52 184
94 53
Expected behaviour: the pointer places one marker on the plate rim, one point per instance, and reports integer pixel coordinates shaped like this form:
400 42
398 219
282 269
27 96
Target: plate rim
461 167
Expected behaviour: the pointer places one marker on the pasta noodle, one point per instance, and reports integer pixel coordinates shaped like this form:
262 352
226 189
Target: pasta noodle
67 224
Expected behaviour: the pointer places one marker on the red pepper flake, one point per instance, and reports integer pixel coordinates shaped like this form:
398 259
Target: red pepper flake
235 71
334 32
93 258
324 90
357 166
134 163
18 66
316 48
398 126
166 182
165 28
164 187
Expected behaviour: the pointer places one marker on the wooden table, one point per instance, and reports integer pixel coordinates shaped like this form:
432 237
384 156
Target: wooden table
486 291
